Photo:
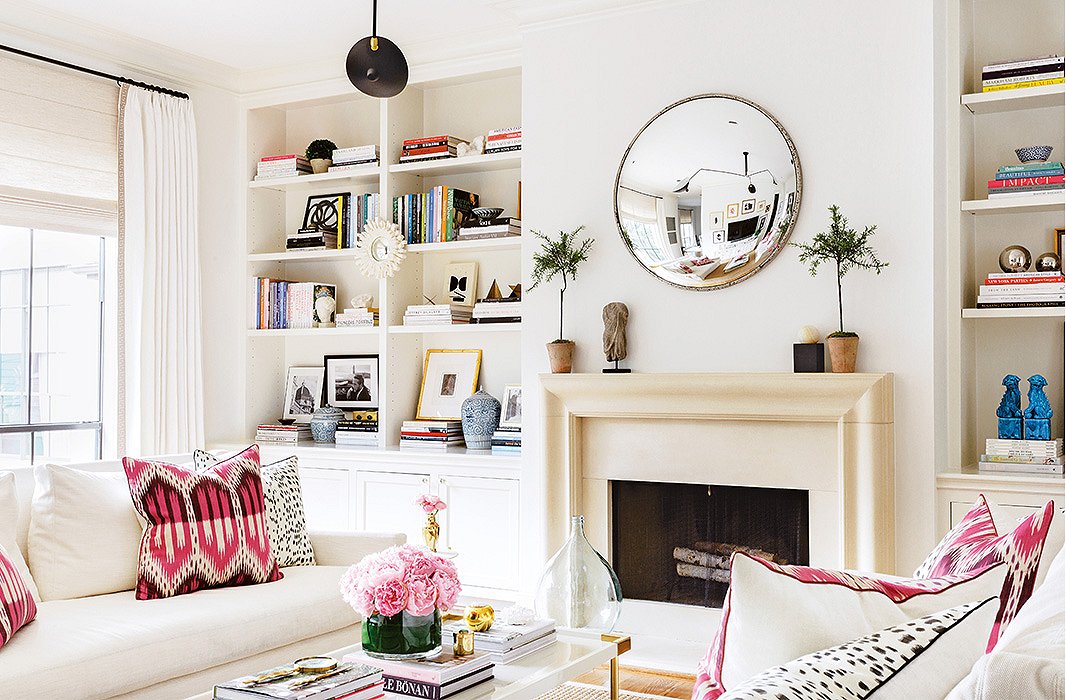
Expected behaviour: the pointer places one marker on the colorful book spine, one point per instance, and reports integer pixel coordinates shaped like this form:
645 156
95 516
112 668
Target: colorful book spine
1027 84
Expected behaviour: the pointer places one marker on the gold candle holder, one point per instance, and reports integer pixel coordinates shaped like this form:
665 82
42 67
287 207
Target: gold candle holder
479 617
463 642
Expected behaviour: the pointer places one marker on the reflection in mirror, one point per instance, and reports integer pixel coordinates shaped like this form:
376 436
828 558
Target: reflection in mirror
708 191
379 249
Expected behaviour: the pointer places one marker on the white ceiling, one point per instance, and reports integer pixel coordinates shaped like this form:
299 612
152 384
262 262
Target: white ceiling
254 35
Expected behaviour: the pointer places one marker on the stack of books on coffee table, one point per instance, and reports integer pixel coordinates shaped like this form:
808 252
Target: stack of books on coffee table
432 679
351 681
506 643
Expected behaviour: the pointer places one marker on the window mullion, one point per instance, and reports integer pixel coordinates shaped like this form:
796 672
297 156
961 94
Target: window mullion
27 384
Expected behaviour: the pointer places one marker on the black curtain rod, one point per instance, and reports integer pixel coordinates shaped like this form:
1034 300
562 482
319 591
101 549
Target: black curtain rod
90 71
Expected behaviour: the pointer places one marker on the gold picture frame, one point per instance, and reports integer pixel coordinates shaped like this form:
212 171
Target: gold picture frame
445 377
1059 234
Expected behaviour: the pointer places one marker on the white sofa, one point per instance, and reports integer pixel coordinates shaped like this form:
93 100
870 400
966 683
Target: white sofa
116 646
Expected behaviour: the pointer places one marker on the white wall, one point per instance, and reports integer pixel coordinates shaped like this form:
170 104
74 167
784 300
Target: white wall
852 83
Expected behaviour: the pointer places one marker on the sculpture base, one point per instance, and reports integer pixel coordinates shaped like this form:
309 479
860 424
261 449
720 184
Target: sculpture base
1010 428
808 357
1037 428
616 370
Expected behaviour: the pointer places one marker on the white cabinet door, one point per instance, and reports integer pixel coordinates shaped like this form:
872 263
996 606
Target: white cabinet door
385 502
327 503
481 524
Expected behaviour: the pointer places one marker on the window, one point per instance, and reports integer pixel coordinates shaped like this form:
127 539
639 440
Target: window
55 376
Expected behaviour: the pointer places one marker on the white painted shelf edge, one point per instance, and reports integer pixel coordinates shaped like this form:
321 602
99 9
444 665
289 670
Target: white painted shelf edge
467 164
972 473
508 243
369 174
1011 100
391 453
460 328
1051 201
297 332
302 255
1039 312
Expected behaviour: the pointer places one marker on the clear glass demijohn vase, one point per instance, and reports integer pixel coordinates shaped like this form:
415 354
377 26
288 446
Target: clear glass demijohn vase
578 587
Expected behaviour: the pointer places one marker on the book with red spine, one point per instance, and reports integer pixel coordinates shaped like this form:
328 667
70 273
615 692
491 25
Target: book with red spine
1025 280
445 138
1027 181
285 156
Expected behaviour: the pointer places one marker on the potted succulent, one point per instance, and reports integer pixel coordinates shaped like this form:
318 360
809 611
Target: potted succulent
320 153
560 258
848 250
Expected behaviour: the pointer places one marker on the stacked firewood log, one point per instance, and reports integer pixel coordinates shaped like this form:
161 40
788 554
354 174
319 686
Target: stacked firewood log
710 560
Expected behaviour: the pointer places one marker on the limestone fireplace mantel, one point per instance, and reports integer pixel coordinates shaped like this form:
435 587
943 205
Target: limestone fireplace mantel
830 434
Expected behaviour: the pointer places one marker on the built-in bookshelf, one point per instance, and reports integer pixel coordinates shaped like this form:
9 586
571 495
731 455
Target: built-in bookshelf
465 106
976 347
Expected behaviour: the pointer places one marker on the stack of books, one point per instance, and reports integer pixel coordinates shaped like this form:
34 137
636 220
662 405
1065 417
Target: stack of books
358 318
505 643
1027 178
432 679
288 165
1019 290
1032 72
431 433
503 140
358 433
311 239
286 434
496 228
507 440
285 304
435 216
1030 456
430 148
351 158
493 311
351 681
436 315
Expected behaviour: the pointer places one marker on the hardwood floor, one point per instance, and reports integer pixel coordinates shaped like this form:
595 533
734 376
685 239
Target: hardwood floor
670 685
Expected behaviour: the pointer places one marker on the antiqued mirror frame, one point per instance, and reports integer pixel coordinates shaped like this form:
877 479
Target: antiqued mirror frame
791 224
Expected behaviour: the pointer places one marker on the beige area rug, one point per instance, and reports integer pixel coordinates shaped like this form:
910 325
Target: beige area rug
582 691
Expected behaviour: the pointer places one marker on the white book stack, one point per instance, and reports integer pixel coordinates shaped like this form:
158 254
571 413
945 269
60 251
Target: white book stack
497 312
353 157
436 315
357 318
506 642
301 304
289 165
1027 456
1022 290
503 140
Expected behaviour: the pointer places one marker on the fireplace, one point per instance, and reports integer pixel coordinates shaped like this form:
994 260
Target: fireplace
671 542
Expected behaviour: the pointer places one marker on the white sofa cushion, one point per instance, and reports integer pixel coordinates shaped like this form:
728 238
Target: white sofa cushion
84 533
112 644
9 520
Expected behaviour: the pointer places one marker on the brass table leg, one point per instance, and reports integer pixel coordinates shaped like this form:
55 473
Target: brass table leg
622 644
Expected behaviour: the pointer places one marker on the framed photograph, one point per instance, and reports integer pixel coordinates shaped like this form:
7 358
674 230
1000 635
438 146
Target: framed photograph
715 218
761 206
732 211
460 283
791 201
1060 242
448 378
718 236
747 206
303 393
511 417
351 382
323 211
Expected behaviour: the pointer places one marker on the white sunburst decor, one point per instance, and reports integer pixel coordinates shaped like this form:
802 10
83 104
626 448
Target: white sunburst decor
380 249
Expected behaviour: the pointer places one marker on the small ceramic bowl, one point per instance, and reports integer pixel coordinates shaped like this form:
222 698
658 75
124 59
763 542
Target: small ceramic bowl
486 214
1033 154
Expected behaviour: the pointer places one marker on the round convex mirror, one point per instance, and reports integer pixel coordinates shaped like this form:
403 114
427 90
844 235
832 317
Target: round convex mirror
708 191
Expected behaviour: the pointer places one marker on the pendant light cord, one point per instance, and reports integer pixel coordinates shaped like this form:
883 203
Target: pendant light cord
374 27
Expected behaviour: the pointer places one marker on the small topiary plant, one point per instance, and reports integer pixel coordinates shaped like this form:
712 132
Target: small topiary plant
559 258
321 148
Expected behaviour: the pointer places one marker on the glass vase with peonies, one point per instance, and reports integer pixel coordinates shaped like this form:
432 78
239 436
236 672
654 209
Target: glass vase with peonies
401 593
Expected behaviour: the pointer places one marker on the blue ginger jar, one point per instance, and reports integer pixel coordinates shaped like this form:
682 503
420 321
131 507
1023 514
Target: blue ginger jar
324 423
481 417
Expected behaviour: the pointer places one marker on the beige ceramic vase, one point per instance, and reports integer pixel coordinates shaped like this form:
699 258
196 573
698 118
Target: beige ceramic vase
842 352
561 356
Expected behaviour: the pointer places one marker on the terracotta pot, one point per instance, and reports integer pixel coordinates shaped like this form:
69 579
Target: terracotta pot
561 356
842 352
321 165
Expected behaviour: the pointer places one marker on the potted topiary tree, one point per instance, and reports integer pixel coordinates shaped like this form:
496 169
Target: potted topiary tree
560 258
847 249
320 153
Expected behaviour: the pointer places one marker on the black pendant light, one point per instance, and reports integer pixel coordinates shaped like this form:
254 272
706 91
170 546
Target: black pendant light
376 66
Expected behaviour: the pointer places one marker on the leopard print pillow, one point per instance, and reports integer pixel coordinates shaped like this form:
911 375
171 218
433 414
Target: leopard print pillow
286 525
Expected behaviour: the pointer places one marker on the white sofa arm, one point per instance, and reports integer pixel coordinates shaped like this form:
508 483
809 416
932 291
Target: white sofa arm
347 548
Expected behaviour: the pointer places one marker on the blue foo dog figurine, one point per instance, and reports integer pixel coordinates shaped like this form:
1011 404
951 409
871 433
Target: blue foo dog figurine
1038 413
1010 409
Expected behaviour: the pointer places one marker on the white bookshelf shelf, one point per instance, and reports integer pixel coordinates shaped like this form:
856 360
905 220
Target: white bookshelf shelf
1052 201
508 243
369 175
459 328
303 256
310 332
1013 100
449 455
469 164
1051 312
970 472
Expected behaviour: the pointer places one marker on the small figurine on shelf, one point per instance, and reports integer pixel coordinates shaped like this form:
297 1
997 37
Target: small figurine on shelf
1010 409
615 344
431 505
1038 413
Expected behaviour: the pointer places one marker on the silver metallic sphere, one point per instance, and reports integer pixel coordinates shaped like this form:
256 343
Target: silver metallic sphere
1015 258
1048 262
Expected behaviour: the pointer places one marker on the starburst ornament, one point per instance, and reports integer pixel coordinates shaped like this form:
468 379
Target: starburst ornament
380 249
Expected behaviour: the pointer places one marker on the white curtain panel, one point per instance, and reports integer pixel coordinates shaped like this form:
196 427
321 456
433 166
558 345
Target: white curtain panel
161 397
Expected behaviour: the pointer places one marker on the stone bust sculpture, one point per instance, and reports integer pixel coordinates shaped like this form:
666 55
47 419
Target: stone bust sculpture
615 318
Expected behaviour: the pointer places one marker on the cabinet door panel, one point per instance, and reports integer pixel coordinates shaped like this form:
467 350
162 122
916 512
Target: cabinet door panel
327 505
386 503
481 524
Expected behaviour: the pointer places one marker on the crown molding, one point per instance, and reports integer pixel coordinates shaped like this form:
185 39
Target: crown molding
544 14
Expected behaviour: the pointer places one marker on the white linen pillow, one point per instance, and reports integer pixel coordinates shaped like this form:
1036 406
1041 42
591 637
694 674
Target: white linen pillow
921 658
84 533
9 527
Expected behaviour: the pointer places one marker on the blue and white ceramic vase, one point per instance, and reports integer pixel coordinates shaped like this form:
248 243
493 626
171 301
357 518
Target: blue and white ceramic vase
481 417
324 423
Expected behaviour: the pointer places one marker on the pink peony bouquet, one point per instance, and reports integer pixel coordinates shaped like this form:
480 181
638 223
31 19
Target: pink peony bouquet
401 578
430 503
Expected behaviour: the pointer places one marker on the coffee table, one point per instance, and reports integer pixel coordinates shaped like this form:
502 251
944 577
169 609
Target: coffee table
575 652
